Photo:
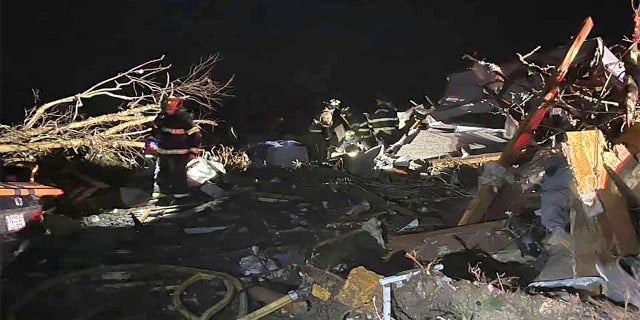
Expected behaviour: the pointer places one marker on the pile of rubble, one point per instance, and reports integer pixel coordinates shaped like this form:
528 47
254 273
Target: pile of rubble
517 191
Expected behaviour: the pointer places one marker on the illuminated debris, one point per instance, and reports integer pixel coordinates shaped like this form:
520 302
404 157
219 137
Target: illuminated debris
361 287
320 292
281 153
469 100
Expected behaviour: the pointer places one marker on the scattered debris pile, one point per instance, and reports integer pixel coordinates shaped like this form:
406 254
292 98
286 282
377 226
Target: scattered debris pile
517 196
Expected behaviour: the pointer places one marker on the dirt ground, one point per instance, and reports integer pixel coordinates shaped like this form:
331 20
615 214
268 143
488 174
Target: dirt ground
209 253
435 296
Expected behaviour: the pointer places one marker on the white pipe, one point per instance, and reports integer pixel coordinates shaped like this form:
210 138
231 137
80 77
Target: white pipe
386 291
386 302
398 278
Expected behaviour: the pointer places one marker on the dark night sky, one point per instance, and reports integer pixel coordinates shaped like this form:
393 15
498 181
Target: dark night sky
285 55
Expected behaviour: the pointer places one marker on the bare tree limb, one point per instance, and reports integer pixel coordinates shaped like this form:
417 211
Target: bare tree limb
114 138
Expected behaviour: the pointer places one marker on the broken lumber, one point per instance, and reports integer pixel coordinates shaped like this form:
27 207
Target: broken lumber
487 236
524 133
597 236
474 160
627 178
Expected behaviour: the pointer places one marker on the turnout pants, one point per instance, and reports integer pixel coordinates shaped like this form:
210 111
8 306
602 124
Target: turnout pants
170 177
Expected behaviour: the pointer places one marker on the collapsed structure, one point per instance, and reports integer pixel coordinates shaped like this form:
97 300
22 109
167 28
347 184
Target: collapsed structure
538 156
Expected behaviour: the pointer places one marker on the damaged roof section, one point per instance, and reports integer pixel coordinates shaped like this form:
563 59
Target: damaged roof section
477 96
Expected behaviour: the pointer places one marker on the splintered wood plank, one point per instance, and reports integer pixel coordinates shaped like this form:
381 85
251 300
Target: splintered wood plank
583 151
474 161
488 236
611 232
145 214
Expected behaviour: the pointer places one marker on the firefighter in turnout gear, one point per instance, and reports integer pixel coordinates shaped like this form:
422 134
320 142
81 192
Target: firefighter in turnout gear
321 128
361 127
357 123
384 122
177 142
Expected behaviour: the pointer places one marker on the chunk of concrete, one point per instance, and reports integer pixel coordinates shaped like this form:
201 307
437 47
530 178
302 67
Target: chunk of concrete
320 292
361 287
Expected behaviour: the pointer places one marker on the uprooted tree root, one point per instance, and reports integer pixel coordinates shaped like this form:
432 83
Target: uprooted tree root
112 138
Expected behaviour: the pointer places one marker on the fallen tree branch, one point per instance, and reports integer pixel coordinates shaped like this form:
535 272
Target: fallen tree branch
74 143
95 90
117 137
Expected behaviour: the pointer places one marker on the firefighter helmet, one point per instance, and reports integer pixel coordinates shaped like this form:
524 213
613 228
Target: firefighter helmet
171 103
385 104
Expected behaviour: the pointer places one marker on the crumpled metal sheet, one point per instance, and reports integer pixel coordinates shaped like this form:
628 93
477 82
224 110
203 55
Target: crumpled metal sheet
572 282
622 279
465 102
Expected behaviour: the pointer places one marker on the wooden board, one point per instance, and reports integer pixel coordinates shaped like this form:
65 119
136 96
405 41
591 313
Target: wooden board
488 236
610 233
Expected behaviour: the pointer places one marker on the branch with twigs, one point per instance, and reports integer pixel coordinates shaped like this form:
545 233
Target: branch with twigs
116 137
501 283
546 71
231 158
598 97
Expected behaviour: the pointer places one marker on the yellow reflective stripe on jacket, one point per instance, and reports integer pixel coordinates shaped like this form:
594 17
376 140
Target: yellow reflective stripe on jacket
158 195
382 119
376 130
193 130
